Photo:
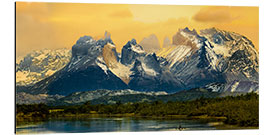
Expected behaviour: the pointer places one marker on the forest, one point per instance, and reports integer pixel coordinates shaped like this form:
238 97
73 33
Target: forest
242 110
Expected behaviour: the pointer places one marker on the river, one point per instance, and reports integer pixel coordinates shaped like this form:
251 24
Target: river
111 124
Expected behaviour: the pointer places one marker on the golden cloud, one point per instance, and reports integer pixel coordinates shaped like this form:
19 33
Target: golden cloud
214 14
59 25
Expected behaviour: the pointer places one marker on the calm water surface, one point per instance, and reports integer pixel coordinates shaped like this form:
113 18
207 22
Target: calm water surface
110 124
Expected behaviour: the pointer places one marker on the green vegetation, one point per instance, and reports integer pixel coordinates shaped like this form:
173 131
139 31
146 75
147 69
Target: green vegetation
185 95
240 110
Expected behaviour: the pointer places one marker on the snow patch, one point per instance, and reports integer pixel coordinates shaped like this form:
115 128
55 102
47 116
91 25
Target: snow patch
41 57
79 59
148 70
49 72
86 61
212 58
221 50
136 49
101 63
176 53
234 86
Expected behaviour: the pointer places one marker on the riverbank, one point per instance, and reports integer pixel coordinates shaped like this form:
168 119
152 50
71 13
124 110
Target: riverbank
205 117
242 111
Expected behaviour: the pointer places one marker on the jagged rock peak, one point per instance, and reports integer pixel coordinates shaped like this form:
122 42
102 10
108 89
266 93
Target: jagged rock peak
132 42
194 32
166 42
106 39
221 36
188 38
87 45
90 40
150 43
131 51
85 39
107 35
213 29
152 57
152 54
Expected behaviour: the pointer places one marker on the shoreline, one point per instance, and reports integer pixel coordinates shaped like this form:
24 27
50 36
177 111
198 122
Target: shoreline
125 115
217 122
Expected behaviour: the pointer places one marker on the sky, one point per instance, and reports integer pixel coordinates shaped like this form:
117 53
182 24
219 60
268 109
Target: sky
59 25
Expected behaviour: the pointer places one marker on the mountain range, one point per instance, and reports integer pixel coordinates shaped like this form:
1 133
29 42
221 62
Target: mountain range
215 60
40 64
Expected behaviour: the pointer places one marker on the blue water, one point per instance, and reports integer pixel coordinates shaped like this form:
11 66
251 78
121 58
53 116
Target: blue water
110 124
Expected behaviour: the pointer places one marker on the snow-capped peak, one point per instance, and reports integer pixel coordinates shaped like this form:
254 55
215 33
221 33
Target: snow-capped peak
131 51
137 49
188 38
132 44
40 64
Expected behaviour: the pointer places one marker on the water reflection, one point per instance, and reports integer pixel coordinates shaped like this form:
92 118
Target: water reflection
110 124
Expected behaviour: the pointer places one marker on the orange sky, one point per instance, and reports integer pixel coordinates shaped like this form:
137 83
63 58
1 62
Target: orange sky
59 25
